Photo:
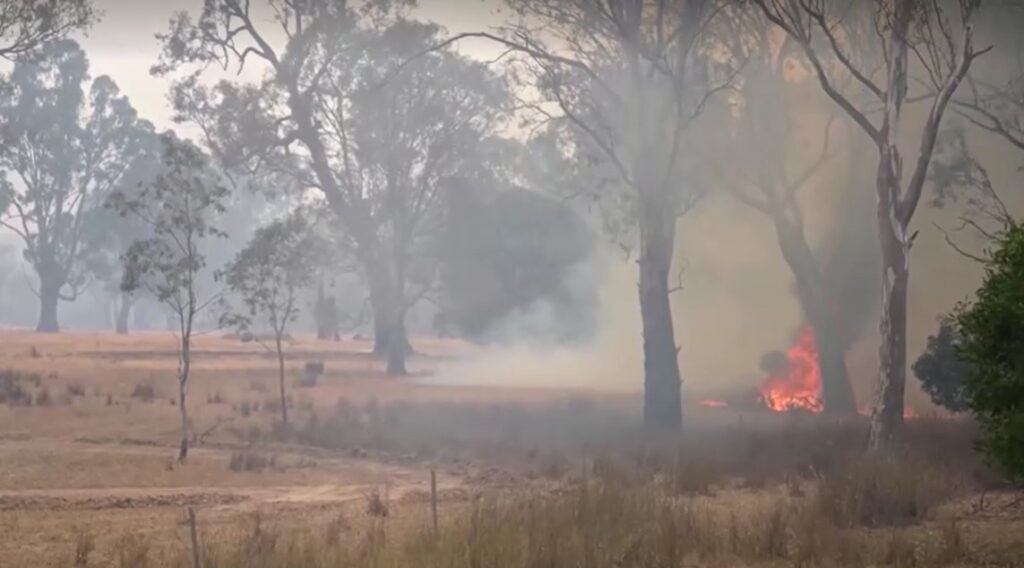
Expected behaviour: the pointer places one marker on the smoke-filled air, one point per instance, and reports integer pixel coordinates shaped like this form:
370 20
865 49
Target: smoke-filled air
506 283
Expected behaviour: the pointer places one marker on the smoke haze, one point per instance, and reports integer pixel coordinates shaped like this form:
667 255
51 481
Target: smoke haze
736 303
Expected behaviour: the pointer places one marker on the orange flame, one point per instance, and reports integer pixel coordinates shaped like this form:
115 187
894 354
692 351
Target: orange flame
799 386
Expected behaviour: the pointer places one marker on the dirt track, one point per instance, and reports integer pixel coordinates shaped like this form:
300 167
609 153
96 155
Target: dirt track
354 479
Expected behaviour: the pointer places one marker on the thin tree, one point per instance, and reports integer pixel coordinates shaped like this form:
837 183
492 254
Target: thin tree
939 41
269 276
179 208
66 150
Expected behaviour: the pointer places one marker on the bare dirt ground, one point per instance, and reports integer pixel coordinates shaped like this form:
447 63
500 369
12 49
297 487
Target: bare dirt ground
93 457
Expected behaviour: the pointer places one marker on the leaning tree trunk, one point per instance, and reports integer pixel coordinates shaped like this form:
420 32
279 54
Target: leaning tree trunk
887 416
124 311
662 386
836 390
49 297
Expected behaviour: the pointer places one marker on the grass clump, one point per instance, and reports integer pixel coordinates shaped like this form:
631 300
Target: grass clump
248 460
12 389
885 490
143 392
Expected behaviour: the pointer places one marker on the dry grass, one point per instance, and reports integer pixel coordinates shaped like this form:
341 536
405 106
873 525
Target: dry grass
528 478
658 506
247 460
602 526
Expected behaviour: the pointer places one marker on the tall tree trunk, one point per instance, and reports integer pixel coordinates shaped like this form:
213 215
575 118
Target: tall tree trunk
887 415
390 339
381 335
662 386
183 376
326 316
837 392
49 297
397 350
280 377
124 311
385 327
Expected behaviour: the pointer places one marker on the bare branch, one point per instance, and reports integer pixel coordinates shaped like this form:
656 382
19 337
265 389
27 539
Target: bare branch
791 23
915 186
952 244
818 15
532 51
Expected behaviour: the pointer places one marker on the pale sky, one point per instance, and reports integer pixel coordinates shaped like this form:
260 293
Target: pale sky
123 45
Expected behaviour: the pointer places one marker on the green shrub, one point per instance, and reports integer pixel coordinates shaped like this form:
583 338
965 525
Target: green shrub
992 327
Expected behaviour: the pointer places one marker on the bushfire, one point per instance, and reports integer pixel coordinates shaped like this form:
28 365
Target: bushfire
798 386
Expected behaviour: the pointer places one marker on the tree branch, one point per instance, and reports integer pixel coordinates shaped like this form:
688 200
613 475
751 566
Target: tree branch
915 186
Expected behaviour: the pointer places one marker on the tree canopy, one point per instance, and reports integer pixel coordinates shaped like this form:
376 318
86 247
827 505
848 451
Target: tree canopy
941 371
27 24
68 144
993 346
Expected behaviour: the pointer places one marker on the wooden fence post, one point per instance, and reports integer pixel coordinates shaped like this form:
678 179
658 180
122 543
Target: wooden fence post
194 537
433 499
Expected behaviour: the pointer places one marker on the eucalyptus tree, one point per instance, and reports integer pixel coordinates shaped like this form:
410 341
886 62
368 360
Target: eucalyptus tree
378 146
25 25
934 38
764 164
269 276
622 81
67 145
179 209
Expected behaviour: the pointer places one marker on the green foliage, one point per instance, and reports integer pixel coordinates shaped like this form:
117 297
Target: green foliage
940 370
271 271
384 124
179 208
75 142
992 327
24 25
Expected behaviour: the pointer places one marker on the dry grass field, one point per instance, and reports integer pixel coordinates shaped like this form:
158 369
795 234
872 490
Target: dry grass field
526 477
